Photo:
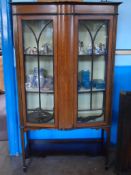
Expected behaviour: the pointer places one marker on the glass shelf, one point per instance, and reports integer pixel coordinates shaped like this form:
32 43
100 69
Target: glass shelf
30 55
36 90
96 55
84 110
90 116
82 90
48 110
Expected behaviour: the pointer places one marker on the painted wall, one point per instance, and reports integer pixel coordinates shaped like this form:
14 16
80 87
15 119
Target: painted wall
122 72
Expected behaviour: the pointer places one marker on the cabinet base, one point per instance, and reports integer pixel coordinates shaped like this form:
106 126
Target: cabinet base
68 146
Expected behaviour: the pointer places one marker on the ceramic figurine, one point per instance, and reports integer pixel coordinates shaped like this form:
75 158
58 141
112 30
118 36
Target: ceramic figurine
48 84
97 49
41 81
45 73
49 49
35 71
28 85
100 46
103 48
34 51
42 50
29 79
27 50
46 48
89 49
35 82
81 48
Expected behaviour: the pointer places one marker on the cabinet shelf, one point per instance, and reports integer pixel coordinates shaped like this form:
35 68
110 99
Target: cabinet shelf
33 110
95 55
87 110
36 90
82 90
88 116
36 55
39 116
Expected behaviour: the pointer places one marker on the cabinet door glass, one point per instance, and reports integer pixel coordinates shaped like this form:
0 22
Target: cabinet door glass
39 74
92 57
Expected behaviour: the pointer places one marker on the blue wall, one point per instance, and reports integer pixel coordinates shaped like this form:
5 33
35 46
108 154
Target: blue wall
9 79
122 81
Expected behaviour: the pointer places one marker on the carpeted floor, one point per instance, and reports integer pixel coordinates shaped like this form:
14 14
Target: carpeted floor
3 129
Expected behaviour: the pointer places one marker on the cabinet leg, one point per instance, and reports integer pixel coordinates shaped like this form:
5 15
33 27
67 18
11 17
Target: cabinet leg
23 150
28 145
102 141
107 146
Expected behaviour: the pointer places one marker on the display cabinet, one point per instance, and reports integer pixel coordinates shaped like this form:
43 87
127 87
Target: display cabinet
65 58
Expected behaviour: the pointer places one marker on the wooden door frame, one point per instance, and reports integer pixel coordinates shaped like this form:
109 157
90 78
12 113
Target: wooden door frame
21 70
110 65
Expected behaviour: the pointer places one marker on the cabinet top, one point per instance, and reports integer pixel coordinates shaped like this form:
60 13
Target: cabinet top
66 2
34 8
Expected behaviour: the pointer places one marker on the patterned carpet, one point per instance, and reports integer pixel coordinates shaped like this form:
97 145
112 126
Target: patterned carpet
3 129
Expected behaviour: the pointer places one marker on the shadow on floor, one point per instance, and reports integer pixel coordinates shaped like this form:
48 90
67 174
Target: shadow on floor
53 164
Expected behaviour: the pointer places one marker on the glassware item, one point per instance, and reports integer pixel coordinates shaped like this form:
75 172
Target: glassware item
98 84
85 79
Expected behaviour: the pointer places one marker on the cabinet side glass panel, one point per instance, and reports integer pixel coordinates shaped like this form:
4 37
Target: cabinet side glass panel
92 60
39 70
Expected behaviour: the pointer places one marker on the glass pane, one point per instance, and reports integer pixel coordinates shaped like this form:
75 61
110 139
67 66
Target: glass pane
39 76
92 55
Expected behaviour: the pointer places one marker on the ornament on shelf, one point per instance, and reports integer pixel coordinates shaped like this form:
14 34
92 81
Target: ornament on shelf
89 49
81 48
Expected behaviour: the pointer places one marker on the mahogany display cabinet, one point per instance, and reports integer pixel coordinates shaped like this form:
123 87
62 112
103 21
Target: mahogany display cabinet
65 60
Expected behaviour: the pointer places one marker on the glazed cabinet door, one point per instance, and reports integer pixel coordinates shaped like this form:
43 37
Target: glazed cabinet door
94 70
37 69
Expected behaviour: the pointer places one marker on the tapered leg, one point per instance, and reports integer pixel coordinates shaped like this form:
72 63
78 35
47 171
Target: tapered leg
28 145
102 141
107 147
23 150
